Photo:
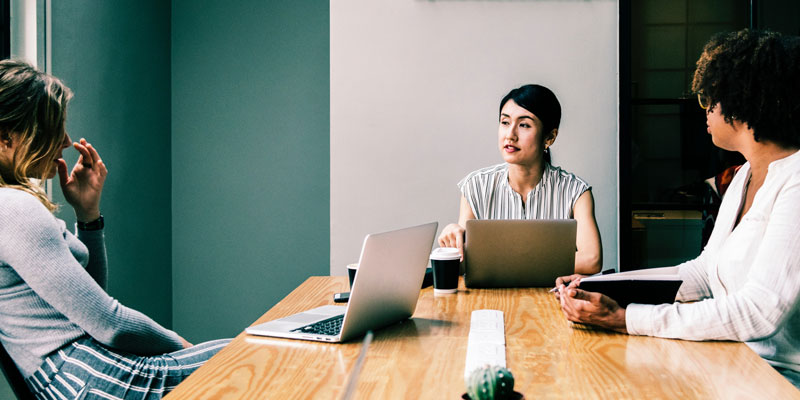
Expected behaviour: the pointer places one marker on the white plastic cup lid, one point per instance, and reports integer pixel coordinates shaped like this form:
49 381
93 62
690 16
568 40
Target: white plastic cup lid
445 253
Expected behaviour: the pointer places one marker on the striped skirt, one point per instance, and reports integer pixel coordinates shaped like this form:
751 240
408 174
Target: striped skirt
87 370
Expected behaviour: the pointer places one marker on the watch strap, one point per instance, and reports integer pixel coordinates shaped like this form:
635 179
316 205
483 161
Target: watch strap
95 225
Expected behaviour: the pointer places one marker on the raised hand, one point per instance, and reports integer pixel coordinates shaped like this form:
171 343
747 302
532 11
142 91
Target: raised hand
84 185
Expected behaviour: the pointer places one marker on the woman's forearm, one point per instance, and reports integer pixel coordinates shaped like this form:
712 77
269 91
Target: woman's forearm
587 263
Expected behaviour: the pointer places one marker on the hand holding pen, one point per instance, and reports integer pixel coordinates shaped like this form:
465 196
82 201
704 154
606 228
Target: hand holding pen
563 282
574 280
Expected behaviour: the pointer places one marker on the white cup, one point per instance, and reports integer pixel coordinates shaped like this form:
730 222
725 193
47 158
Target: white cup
351 273
445 262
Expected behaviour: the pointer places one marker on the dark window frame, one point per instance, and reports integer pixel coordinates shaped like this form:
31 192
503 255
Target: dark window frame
5 31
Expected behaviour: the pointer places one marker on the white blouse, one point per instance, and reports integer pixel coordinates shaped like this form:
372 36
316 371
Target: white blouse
747 279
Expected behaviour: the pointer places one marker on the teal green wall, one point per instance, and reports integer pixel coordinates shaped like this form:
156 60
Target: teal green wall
115 55
250 158
213 119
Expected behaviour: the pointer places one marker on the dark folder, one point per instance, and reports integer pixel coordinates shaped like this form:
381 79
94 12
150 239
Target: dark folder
641 289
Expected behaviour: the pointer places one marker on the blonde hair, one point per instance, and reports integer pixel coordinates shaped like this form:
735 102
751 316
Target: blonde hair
33 107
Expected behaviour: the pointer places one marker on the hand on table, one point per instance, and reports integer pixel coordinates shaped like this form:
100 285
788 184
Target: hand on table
562 282
453 236
591 307
83 186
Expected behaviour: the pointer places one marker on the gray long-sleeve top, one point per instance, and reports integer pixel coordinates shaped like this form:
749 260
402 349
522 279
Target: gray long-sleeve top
52 289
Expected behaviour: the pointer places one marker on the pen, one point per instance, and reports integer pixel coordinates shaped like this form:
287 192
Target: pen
352 381
555 289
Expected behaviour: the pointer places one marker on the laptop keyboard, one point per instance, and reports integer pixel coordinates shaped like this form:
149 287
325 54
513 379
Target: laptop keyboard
330 326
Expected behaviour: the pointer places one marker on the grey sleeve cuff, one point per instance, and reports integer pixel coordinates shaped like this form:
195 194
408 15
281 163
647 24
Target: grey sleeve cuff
90 238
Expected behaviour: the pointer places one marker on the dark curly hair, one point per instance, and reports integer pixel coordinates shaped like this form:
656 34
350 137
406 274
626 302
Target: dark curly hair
754 76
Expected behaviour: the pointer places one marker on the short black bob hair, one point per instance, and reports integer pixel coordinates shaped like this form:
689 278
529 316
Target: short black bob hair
540 101
754 76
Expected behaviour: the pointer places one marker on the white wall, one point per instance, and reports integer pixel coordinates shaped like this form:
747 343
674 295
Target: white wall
415 91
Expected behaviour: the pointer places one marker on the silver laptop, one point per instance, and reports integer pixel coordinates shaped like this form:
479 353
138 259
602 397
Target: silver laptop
386 288
518 253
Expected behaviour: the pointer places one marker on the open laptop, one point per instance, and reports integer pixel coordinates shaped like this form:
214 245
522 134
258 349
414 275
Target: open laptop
386 288
518 253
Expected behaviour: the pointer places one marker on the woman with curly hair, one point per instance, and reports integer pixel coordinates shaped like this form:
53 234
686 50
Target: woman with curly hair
745 285
66 335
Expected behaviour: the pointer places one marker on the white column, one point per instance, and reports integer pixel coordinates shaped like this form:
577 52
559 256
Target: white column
24 44
23 30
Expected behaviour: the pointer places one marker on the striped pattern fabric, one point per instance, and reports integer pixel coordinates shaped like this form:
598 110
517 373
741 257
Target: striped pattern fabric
491 197
87 370
52 289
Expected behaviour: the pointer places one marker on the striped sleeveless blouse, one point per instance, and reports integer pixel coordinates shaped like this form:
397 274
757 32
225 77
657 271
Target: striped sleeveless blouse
491 197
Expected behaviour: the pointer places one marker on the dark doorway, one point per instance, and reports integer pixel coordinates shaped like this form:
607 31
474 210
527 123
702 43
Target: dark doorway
669 169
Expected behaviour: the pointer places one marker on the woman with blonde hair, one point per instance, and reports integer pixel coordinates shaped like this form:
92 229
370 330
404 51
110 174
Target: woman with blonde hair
66 335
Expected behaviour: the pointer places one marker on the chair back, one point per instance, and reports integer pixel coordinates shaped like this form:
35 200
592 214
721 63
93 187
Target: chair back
13 376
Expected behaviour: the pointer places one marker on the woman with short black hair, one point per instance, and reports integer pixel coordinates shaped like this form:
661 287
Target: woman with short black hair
526 185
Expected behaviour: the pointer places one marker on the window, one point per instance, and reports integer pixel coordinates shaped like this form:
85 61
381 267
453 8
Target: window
666 159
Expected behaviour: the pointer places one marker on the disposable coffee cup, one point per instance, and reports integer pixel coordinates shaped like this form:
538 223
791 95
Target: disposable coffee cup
351 273
445 262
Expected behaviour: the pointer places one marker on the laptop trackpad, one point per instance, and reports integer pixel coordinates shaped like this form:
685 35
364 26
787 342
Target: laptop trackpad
314 315
292 322
302 318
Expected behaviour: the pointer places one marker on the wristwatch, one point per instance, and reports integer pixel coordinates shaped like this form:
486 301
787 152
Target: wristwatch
95 225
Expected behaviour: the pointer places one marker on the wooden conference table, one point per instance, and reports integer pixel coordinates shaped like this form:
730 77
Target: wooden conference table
423 357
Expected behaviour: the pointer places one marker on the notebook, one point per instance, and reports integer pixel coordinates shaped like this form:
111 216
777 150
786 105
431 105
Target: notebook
385 290
518 253
646 286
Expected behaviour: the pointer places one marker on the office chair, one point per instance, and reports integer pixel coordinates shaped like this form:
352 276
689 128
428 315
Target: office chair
14 377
